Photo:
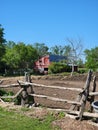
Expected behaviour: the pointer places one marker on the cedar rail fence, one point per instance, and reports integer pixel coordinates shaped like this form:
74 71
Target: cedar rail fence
78 105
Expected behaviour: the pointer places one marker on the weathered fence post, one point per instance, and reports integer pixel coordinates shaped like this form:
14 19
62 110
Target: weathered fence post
85 95
24 94
27 77
93 96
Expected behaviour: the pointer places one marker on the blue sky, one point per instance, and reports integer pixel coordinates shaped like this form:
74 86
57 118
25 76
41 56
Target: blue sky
50 21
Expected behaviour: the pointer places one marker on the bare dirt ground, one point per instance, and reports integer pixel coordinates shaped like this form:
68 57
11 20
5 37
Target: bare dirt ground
76 81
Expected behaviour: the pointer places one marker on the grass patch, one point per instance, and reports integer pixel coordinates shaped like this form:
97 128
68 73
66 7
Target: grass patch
25 109
10 120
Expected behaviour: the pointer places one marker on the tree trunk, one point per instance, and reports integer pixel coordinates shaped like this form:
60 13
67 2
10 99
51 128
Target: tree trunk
72 70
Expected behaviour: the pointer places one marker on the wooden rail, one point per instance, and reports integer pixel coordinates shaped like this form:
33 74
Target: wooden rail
48 86
9 86
56 99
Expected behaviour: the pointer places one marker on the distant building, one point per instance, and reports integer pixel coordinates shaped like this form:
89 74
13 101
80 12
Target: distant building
75 67
41 65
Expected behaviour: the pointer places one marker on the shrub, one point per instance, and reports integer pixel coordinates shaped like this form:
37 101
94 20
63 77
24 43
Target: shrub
83 70
57 67
5 93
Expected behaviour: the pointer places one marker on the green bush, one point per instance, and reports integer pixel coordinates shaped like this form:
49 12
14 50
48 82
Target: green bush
57 67
82 70
2 92
5 93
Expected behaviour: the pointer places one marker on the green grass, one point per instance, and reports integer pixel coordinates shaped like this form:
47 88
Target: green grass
10 120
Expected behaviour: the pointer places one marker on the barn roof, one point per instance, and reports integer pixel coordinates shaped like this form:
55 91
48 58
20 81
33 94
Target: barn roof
56 58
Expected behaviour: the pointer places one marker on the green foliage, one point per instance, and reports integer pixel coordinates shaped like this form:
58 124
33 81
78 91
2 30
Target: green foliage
57 67
82 70
2 40
6 93
2 46
2 50
10 120
41 48
10 44
25 109
92 58
60 115
61 50
19 57
2 92
57 50
80 63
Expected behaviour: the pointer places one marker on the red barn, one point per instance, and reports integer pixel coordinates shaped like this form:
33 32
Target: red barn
42 64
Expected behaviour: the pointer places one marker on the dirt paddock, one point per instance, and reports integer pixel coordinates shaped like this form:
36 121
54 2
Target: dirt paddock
76 82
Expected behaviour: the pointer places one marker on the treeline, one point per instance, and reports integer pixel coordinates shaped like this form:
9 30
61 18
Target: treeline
15 58
20 57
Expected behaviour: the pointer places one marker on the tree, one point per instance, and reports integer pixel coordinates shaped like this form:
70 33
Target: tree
80 63
2 41
75 52
2 47
67 50
11 57
32 56
61 50
20 56
41 48
57 50
10 44
92 58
